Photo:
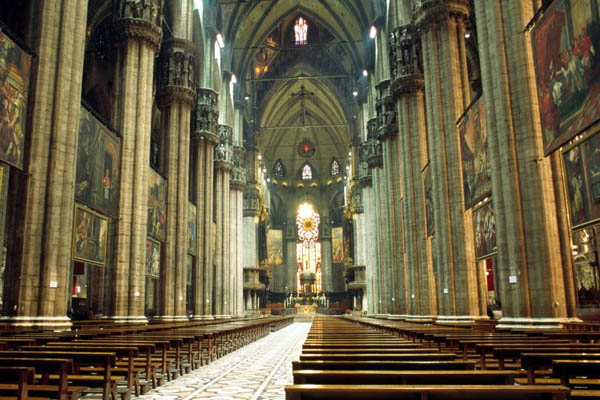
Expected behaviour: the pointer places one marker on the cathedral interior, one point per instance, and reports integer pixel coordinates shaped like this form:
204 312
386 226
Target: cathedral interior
182 160
195 192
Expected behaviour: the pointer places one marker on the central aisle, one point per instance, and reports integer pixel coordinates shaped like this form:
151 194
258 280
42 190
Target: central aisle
257 371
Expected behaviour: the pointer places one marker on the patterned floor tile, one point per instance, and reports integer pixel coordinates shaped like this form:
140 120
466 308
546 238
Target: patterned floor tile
258 371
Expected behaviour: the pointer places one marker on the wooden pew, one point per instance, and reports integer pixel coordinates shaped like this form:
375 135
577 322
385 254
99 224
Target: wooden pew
430 392
45 367
106 360
566 369
23 376
384 365
378 357
436 377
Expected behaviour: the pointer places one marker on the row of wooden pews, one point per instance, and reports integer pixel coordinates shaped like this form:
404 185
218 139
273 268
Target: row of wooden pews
363 358
541 357
111 362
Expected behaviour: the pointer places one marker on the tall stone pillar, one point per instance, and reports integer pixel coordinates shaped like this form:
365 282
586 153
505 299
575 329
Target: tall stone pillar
408 89
534 276
251 213
44 246
137 32
326 255
176 99
205 139
442 26
237 185
223 165
386 133
291 265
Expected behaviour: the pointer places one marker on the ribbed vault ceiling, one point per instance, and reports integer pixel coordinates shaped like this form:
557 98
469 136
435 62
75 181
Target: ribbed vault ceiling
273 71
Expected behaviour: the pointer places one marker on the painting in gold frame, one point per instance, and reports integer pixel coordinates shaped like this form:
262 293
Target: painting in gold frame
484 222
90 234
337 244
152 258
15 67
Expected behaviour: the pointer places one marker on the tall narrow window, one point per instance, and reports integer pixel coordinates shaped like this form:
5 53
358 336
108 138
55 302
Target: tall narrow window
306 172
301 32
335 167
278 170
308 251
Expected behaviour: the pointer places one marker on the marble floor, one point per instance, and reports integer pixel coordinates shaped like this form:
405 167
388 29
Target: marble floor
258 371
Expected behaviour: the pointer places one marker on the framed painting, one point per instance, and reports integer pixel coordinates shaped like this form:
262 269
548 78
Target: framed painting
15 67
565 44
275 247
189 268
591 156
428 189
337 244
98 159
192 232
474 153
89 236
152 258
575 183
157 205
484 222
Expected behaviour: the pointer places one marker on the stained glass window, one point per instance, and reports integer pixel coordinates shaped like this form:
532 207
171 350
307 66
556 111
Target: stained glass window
306 172
278 170
335 167
301 32
308 249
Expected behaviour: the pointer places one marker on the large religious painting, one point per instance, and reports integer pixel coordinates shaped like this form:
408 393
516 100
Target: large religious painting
89 236
566 48
484 223
591 154
337 244
15 65
474 150
189 268
98 159
157 205
575 182
274 247
152 258
428 188
192 231
585 263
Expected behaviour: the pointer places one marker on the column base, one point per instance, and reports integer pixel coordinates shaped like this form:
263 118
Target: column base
130 319
170 318
223 316
51 323
421 318
506 323
397 317
458 319
202 317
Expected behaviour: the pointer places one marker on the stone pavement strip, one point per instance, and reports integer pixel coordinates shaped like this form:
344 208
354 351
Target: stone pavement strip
257 371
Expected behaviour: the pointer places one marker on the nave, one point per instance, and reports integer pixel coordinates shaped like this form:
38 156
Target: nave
257 371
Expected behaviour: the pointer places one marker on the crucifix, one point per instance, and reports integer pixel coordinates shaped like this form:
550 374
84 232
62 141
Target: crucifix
302 94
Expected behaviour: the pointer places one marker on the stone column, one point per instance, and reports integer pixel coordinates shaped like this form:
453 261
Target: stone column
237 185
527 204
223 165
251 214
176 99
326 255
408 90
44 244
442 26
386 133
290 240
205 138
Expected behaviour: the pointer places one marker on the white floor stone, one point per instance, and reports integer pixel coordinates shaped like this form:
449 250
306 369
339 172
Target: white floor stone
258 371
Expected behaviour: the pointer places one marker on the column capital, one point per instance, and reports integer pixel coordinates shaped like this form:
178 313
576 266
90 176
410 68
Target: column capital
176 77
224 151
434 12
387 123
238 172
406 61
207 112
138 20
251 200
